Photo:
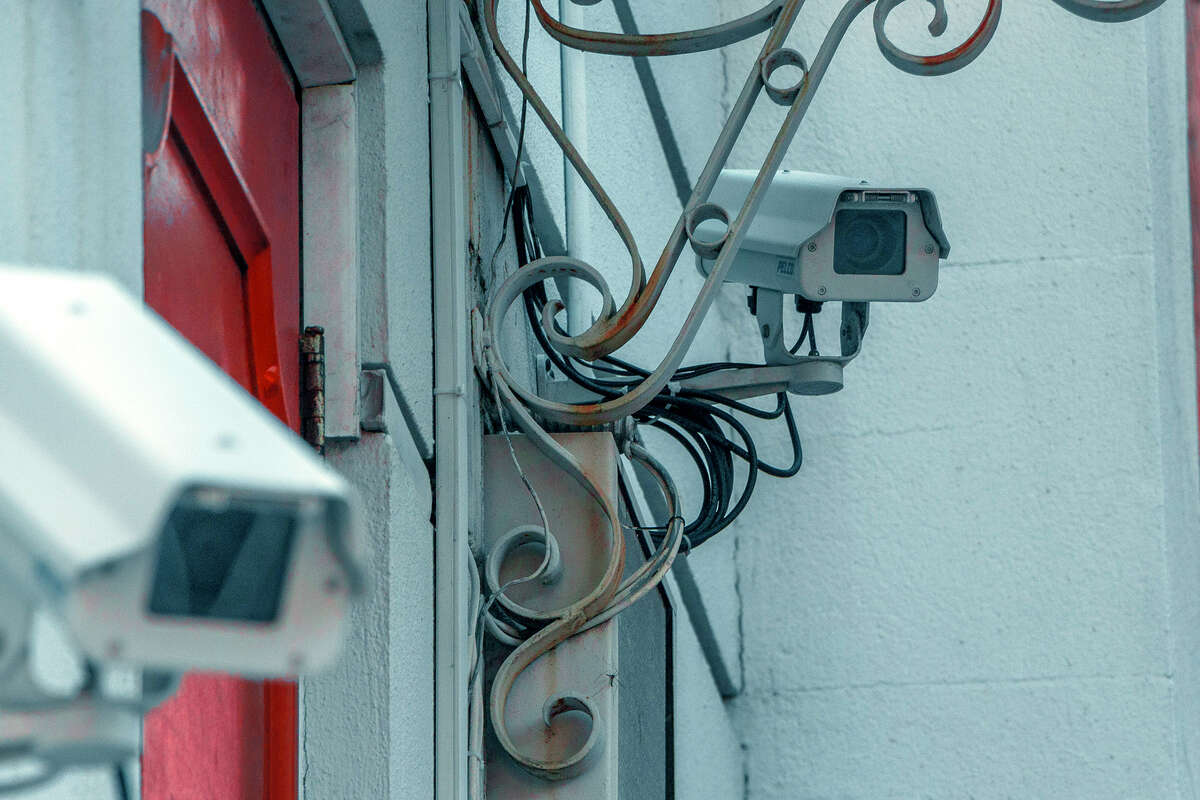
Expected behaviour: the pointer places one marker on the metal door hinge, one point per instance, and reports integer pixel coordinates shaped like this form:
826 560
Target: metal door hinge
312 387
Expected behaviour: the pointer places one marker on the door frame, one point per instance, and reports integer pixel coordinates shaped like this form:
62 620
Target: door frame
325 72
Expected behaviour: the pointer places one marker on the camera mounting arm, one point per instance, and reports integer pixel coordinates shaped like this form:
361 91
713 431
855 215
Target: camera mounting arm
85 732
783 371
43 734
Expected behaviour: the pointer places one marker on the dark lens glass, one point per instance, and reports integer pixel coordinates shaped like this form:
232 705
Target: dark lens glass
226 563
869 242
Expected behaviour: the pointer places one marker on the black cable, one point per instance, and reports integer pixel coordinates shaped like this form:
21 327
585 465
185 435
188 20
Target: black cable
805 330
512 184
122 786
637 373
698 458
692 418
712 434
797 448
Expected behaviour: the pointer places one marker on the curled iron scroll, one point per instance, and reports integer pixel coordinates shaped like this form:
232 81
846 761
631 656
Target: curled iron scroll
659 44
942 63
1110 10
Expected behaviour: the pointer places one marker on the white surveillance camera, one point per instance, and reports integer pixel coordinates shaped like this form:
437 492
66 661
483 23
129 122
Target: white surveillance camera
170 519
825 237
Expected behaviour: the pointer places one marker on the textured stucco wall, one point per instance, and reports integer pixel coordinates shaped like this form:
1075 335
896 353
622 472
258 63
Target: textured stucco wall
367 728
70 137
71 192
983 585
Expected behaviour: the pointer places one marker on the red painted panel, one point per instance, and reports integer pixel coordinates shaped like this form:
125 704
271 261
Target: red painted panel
217 756
192 278
246 98
222 266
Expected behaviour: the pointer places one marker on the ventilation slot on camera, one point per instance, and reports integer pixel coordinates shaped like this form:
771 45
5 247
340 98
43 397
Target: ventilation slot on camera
887 197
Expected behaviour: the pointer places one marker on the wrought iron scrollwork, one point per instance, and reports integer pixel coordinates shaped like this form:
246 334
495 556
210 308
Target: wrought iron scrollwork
617 325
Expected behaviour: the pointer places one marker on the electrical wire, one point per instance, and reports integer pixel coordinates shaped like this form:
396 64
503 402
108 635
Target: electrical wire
806 332
512 182
121 785
650 397
703 422
696 420
615 326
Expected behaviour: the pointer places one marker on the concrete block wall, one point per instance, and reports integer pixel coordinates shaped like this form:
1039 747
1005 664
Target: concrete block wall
983 585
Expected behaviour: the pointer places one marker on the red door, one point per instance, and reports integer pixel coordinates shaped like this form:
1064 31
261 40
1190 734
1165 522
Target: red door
222 266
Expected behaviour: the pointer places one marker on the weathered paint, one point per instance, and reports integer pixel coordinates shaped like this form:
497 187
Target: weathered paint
581 666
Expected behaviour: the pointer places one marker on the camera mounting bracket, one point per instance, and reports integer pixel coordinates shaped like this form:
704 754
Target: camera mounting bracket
783 371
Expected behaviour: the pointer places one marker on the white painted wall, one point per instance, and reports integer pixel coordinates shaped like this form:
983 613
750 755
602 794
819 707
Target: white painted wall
70 136
984 585
70 189
367 728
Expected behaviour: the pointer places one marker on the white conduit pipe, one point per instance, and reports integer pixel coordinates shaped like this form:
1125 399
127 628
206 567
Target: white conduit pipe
453 388
580 312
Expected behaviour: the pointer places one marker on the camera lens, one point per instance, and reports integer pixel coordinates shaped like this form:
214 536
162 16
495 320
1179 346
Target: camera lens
869 242
223 563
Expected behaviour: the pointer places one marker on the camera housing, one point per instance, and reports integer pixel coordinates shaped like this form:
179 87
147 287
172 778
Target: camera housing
826 237
168 517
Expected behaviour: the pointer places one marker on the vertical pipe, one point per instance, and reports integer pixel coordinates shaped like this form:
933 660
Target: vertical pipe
1193 113
574 115
452 370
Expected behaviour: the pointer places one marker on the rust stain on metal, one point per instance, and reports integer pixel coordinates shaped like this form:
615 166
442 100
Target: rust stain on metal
312 387
661 44
957 53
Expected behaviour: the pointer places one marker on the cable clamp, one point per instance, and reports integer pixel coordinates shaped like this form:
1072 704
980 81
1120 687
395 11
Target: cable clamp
624 431
457 391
